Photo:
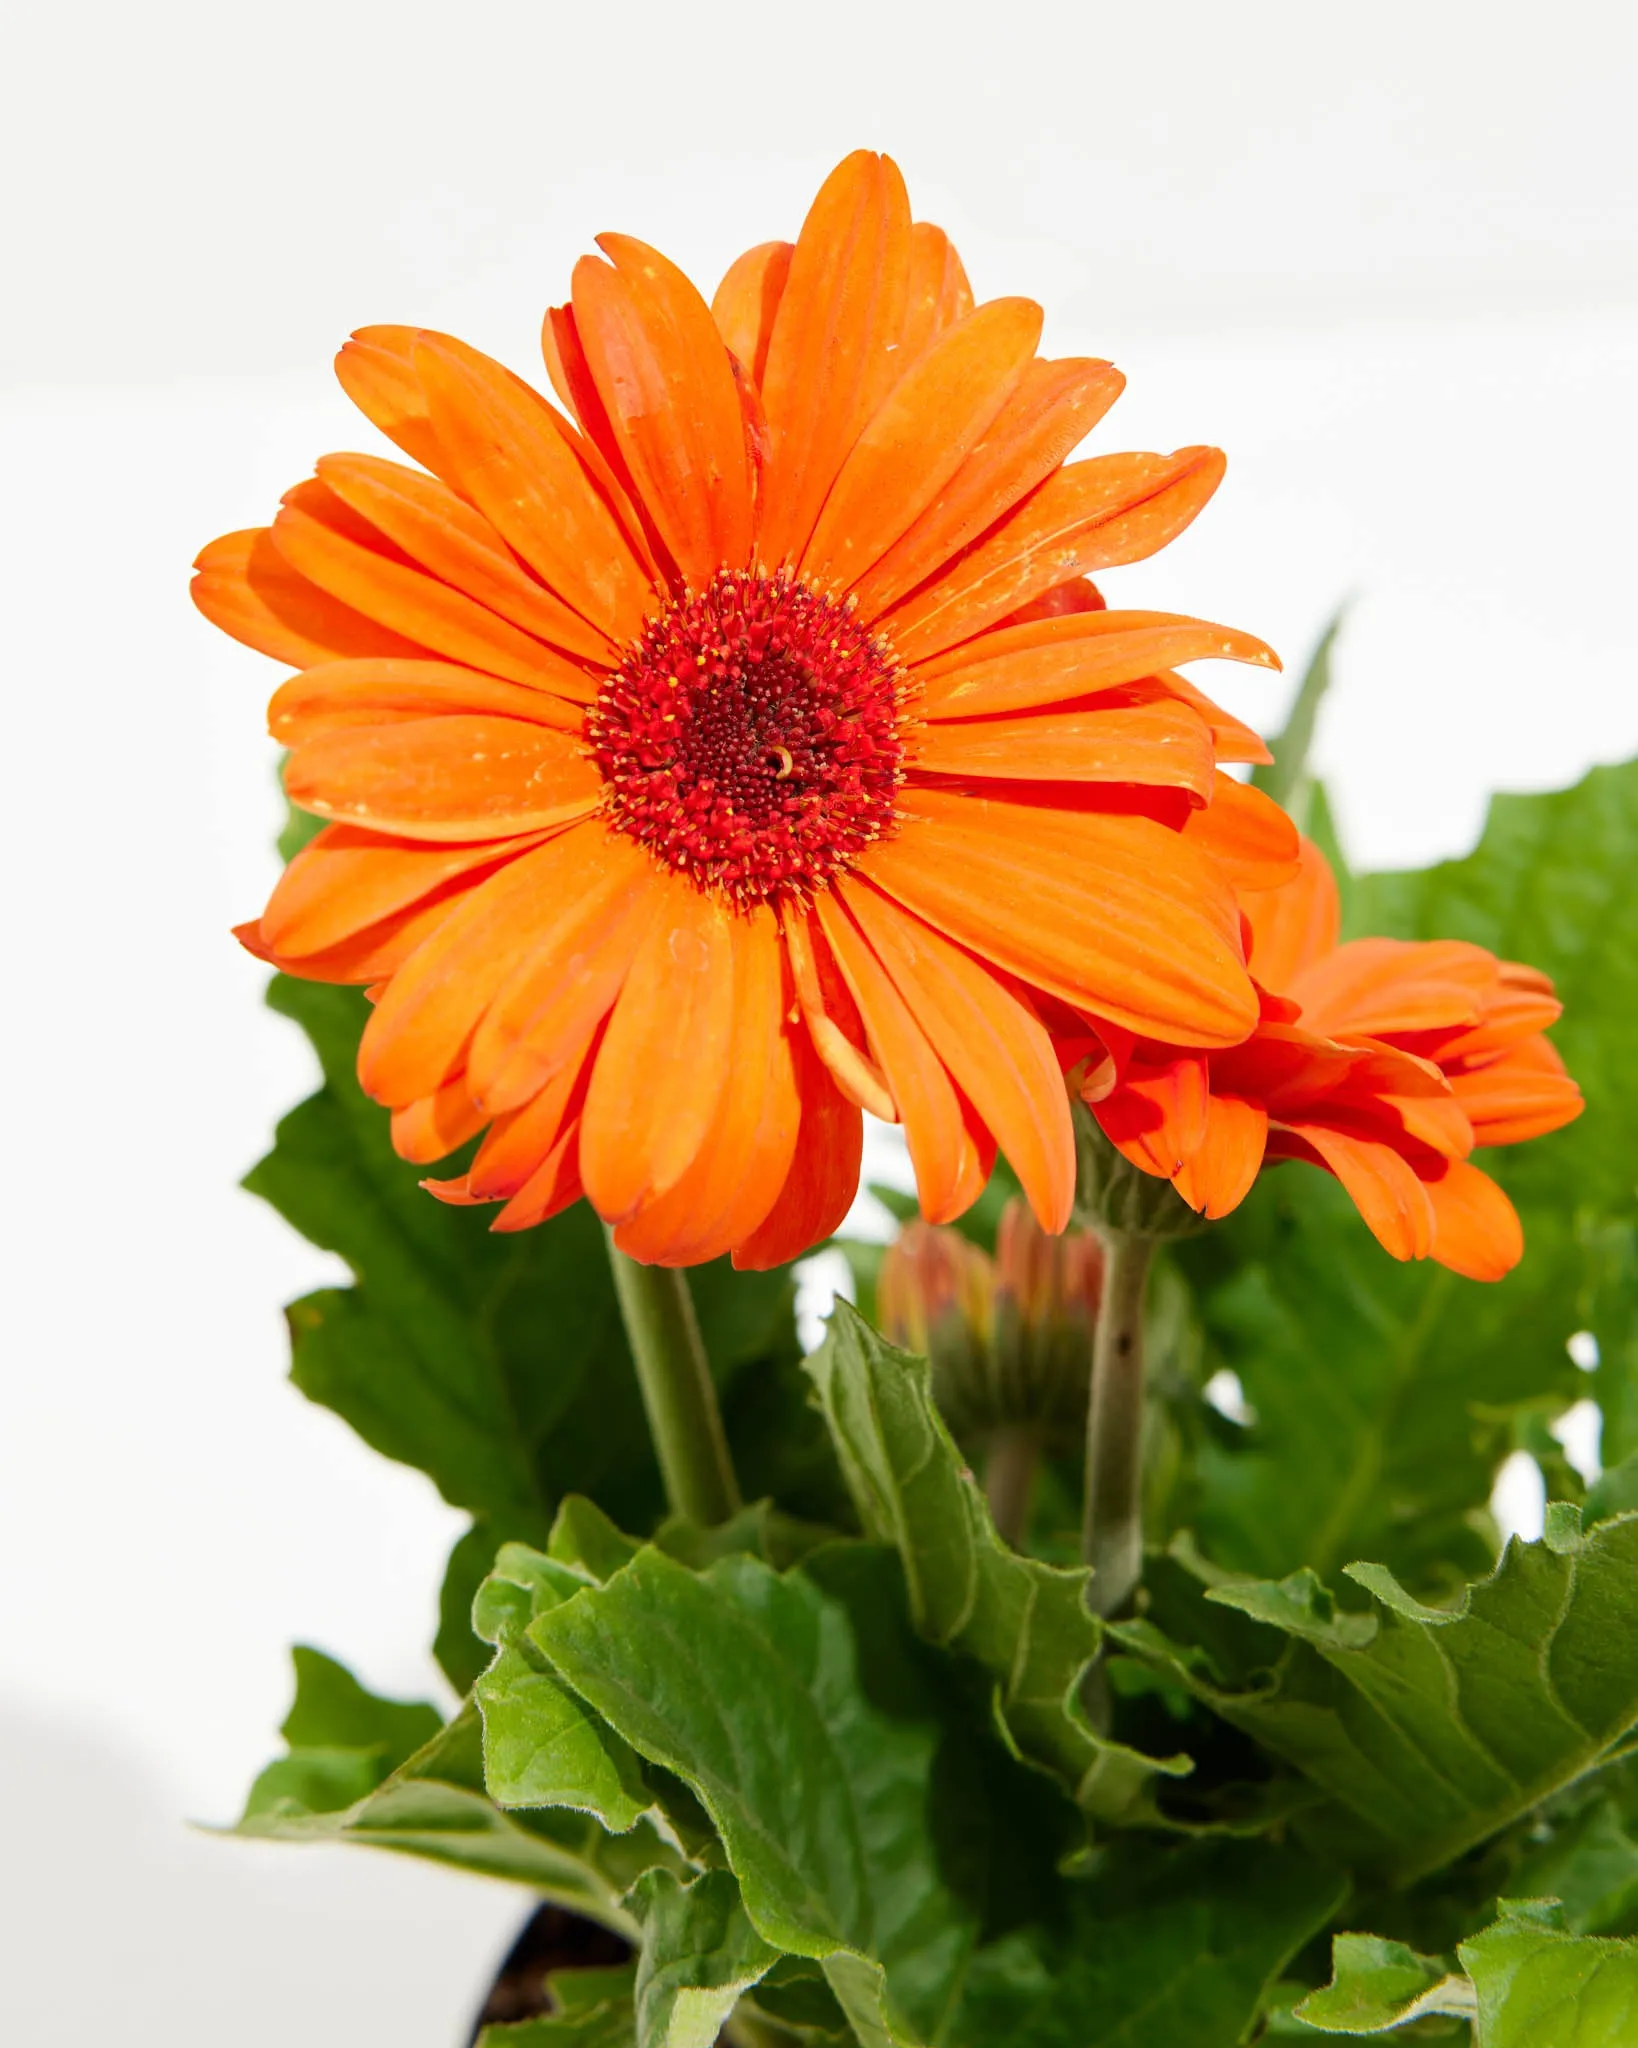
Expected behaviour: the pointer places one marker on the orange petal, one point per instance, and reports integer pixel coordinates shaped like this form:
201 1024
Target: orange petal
1157 1116
927 426
520 1142
747 300
1164 744
1384 1187
509 452
366 957
993 1045
665 1058
939 294
596 446
824 1173
743 1164
1045 661
1247 834
664 377
1476 1229
338 693
1218 1175
1055 406
436 1125
345 880
833 355
1062 601
1092 515
568 980
1232 738
388 589
457 778
942 1150
549 1190
1296 924
1524 1094
376 372
832 1016
1385 987
459 546
1114 914
417 1036
245 586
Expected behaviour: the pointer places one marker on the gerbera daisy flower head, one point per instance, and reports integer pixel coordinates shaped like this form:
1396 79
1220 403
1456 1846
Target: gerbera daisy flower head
1384 1061
739 743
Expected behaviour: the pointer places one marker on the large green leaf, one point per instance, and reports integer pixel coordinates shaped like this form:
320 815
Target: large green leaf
804 1717
497 1364
1026 1624
1385 1396
355 1772
1539 1986
1161 1948
1430 1729
699 1954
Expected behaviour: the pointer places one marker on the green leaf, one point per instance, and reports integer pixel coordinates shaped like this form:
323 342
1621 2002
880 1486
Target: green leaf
1539 1986
1379 1985
1025 1624
461 1652
541 1745
793 1712
699 1953
349 1782
1590 1865
1164 1948
1431 1729
497 1364
332 1710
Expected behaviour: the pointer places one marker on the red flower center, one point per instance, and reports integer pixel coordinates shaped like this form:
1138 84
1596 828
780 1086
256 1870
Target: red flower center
750 738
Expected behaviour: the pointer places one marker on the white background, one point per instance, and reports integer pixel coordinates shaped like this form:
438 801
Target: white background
1385 256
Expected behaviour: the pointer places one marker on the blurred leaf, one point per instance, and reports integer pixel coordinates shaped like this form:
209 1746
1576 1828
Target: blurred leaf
1380 1985
699 1952
1288 778
461 1653
1162 1948
497 1364
1024 1623
332 1710
1432 1729
613 2024
1383 1394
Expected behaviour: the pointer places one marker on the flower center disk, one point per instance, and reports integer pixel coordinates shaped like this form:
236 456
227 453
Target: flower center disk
750 738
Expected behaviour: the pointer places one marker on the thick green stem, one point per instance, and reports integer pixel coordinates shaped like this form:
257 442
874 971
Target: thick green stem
683 1417
1112 1534
1009 1473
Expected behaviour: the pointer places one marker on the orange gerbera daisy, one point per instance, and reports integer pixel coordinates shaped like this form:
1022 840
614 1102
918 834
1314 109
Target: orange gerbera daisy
1384 1061
749 748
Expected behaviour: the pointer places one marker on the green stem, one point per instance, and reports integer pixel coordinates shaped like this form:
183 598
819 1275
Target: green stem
683 1417
1112 1534
1009 1474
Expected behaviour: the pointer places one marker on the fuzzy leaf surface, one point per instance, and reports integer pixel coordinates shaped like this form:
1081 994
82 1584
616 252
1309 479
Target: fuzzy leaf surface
1431 1729
699 1954
798 1712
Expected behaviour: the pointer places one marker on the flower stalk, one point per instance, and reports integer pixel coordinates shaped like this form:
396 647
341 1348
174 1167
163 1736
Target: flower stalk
1112 1533
684 1420
1009 1475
